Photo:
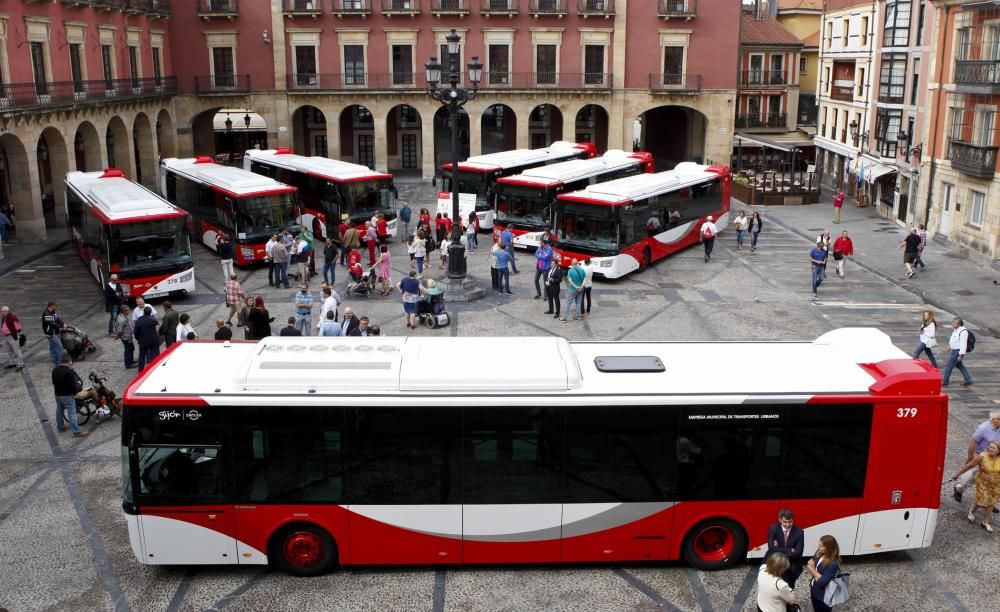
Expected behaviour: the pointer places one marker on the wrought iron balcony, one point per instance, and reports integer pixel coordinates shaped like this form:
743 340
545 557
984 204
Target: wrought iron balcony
842 92
498 8
351 8
683 9
975 160
670 83
302 8
50 94
450 7
353 81
546 80
401 7
229 9
547 8
978 73
221 83
763 78
757 120
596 8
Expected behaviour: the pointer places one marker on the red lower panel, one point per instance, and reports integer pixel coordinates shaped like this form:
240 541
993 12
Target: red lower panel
376 543
647 539
544 551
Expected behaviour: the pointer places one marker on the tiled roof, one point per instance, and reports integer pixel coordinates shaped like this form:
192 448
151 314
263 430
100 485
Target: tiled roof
812 40
766 32
806 5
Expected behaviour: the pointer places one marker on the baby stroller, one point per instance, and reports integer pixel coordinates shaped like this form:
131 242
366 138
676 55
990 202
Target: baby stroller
363 283
431 311
76 343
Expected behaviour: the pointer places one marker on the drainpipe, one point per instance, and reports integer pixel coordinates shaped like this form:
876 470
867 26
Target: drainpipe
939 54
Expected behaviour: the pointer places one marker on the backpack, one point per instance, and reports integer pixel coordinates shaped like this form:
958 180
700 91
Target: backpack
707 232
970 343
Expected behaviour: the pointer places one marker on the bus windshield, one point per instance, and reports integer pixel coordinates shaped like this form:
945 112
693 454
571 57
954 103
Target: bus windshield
362 199
588 227
260 216
470 182
530 207
142 246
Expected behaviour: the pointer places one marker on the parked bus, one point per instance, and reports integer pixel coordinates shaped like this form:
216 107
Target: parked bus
478 176
328 189
120 227
309 452
223 199
526 202
612 223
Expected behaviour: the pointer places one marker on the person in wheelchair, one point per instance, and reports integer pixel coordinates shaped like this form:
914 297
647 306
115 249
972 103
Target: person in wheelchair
433 302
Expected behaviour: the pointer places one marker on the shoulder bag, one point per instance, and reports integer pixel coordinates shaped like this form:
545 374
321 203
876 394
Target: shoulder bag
837 591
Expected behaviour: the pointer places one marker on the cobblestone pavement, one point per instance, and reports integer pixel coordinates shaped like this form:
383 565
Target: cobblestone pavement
64 540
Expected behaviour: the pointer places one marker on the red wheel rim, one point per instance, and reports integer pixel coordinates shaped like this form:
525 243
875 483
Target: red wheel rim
714 543
303 549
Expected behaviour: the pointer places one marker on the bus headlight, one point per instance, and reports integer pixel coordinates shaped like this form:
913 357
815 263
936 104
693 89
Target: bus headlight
187 277
607 263
246 252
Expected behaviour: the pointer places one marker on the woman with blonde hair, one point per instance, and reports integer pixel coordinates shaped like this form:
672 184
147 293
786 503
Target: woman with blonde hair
928 330
773 593
987 483
823 567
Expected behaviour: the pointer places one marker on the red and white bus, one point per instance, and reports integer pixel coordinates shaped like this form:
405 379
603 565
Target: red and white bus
611 223
526 202
120 227
223 199
329 189
309 452
478 176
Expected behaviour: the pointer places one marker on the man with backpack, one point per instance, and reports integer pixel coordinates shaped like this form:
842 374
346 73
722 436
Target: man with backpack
961 343
708 232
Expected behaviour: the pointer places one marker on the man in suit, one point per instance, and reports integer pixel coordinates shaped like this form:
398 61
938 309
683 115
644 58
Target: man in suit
361 329
350 323
291 330
786 538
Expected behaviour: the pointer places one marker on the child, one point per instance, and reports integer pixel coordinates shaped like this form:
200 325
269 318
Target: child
444 251
411 249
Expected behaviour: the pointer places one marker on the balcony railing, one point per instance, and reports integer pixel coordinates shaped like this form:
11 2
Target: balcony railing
842 93
685 9
351 8
221 83
417 80
218 8
596 8
756 120
974 160
451 7
763 78
503 8
533 80
977 72
302 8
401 7
674 82
547 8
17 96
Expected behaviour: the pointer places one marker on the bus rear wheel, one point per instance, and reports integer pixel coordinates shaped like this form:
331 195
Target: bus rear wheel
715 544
303 550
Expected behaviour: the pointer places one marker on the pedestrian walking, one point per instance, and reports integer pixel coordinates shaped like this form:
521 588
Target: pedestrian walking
222 330
507 242
985 434
259 320
742 224
420 251
958 344
12 338
471 232
405 213
503 262
928 331
574 288
911 247
330 261
52 327
817 259
281 257
225 248
838 203
756 224
384 268
588 284
124 331
411 290
543 263
147 337
234 297
68 386
843 247
243 318
823 567
185 330
114 297
303 301
922 234
445 245
553 280
371 241
706 235
987 483
171 319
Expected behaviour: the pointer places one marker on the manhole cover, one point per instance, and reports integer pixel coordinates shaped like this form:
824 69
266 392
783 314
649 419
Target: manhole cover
965 292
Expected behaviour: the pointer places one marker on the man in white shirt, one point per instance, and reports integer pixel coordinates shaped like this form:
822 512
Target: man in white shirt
330 302
140 304
270 262
959 344
707 236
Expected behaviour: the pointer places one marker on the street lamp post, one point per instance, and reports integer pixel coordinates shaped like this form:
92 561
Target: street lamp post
229 136
453 97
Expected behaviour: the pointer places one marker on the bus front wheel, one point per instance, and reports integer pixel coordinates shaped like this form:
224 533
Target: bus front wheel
303 550
715 544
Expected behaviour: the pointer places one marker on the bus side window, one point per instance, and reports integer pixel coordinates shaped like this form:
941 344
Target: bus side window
171 194
74 209
263 169
224 213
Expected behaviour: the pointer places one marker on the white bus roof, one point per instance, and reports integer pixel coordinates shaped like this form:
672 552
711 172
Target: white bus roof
520 157
236 181
631 188
425 371
117 198
573 170
332 169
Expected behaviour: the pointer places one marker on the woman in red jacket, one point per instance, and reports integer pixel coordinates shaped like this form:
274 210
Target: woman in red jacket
843 248
12 338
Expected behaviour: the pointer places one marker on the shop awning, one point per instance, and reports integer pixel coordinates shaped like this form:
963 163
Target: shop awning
874 171
758 141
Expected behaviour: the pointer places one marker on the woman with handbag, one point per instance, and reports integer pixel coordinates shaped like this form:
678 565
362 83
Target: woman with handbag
773 593
927 340
823 567
13 338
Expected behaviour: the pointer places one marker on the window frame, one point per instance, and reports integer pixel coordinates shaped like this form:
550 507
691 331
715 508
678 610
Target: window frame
896 23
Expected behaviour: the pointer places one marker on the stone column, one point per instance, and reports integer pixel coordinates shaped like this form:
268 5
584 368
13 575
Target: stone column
619 126
379 121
